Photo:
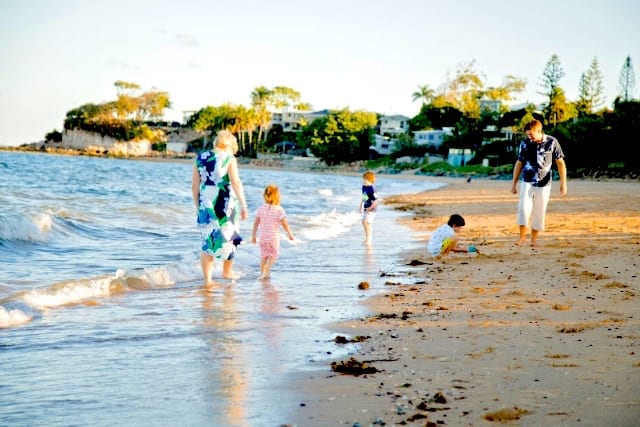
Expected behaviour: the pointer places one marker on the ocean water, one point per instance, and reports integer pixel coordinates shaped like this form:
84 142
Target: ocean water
103 317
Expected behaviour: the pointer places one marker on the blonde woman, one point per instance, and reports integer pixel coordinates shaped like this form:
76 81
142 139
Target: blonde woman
218 196
269 217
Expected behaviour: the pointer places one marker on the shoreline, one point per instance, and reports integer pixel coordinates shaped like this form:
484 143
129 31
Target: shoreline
541 336
310 164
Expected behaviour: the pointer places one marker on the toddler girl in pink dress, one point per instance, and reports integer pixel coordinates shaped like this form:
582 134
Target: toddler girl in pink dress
266 227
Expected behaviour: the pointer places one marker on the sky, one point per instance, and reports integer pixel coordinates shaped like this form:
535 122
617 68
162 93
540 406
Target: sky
56 55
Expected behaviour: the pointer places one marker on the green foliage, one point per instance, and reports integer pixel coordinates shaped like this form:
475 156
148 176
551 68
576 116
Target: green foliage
559 109
432 117
438 168
551 76
341 136
591 87
499 152
444 168
53 136
379 163
405 146
212 118
159 146
627 81
122 119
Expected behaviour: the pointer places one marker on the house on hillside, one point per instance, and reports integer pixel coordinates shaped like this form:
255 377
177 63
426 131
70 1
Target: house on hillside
392 126
433 137
388 130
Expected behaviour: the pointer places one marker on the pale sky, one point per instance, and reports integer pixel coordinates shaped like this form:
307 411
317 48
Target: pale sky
56 55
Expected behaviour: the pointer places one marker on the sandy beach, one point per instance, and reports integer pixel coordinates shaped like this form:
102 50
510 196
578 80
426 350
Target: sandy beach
528 336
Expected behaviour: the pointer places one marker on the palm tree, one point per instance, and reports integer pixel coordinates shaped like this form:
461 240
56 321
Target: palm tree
424 93
260 97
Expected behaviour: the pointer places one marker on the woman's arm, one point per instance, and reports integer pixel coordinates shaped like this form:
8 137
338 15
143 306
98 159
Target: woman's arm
236 184
195 186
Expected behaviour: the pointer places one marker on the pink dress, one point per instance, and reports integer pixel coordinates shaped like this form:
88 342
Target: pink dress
269 229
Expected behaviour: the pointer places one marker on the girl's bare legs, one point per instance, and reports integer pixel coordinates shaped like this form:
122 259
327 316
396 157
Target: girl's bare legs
206 262
263 263
265 267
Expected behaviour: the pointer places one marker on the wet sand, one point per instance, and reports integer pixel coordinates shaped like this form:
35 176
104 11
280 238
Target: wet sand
530 336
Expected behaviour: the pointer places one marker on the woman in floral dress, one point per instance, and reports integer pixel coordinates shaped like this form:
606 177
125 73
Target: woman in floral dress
219 199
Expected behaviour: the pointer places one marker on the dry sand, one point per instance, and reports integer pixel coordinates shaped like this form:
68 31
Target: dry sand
541 336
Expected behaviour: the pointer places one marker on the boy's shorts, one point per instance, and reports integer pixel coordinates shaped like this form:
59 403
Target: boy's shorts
368 217
447 244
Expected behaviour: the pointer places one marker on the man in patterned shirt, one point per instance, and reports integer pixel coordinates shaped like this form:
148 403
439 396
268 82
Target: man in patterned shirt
536 155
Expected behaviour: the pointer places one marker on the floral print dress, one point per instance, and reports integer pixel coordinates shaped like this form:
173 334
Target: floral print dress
218 208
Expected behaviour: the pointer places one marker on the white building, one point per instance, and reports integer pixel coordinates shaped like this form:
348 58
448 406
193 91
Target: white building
389 128
395 125
434 137
293 120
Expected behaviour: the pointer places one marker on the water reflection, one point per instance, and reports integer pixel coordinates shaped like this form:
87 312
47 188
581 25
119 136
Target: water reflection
271 311
230 381
244 330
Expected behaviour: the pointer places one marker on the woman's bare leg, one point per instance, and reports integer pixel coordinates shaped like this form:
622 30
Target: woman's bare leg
206 262
227 269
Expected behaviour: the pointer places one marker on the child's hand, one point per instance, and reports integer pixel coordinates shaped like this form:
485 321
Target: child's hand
253 239
292 237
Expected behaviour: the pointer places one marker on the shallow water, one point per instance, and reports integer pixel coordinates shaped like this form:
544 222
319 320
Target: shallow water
103 318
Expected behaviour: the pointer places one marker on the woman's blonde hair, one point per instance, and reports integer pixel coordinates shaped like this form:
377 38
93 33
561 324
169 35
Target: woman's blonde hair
226 140
271 194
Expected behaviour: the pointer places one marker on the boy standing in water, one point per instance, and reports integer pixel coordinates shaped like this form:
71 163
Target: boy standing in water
368 204
269 217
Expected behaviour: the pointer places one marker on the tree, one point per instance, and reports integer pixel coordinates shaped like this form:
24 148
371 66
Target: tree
341 136
424 93
559 109
550 83
591 89
510 84
151 105
127 103
212 118
627 81
259 100
466 90
551 76
282 96
432 117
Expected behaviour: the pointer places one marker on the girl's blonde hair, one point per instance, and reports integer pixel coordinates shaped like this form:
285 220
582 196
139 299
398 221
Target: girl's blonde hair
271 194
226 140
